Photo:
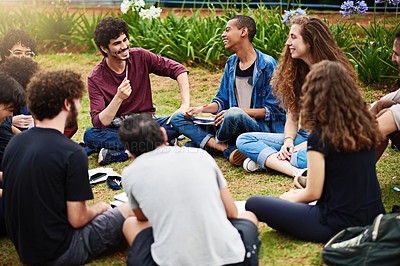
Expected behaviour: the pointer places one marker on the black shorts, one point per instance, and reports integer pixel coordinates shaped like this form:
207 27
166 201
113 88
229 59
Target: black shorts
140 251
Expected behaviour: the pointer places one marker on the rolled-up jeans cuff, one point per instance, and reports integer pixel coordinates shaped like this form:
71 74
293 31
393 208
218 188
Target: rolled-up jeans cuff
293 159
205 140
263 156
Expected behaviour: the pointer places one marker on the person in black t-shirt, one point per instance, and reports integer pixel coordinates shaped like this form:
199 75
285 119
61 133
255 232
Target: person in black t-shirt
341 154
11 98
46 187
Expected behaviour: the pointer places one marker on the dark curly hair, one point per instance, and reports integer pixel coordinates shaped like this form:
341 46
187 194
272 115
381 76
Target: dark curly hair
290 73
11 92
13 37
332 104
20 68
47 91
109 28
140 134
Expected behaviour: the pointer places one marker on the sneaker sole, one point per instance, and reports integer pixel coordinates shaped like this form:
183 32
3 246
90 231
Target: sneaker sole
297 183
246 168
237 158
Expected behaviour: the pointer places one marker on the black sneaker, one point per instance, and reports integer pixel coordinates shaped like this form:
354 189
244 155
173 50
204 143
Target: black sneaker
104 156
107 156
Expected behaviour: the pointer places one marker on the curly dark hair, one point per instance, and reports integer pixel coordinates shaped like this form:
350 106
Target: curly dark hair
332 103
246 22
140 134
109 28
47 91
14 37
290 73
20 68
11 92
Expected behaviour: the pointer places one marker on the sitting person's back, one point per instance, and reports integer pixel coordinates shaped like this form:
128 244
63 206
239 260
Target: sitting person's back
184 196
181 198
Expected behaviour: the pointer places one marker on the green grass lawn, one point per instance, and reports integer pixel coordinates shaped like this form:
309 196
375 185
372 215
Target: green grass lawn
277 248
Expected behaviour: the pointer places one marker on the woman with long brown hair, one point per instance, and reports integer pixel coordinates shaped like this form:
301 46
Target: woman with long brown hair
310 41
341 162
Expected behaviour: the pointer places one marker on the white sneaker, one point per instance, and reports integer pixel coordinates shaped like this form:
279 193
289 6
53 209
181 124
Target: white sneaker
250 166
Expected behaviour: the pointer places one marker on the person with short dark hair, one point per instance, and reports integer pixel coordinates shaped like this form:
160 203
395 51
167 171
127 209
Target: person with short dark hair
12 97
184 214
22 69
341 174
46 187
119 86
244 101
387 110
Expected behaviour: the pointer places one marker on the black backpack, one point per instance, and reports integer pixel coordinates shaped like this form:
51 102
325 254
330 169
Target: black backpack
376 244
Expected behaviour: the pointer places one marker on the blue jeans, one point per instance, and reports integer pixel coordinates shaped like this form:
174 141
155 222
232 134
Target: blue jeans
98 138
236 121
259 146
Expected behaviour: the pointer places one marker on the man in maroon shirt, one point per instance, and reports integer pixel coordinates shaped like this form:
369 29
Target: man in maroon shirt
119 86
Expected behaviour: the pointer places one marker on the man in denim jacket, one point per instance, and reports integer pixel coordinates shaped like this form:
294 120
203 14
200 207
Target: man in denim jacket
244 102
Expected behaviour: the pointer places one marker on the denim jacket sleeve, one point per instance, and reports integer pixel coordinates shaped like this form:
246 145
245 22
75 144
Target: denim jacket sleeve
262 92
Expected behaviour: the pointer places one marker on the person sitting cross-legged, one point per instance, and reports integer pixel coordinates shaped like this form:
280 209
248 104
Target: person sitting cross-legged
184 213
119 87
387 110
341 174
244 101
46 186
12 97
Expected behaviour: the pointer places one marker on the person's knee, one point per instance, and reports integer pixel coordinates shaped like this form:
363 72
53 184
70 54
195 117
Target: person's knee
251 204
248 215
233 113
299 158
88 135
130 229
242 140
176 118
386 123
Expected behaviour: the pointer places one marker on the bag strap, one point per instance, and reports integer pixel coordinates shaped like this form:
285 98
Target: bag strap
376 227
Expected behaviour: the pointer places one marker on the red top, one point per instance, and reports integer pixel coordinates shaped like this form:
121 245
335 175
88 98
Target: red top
103 83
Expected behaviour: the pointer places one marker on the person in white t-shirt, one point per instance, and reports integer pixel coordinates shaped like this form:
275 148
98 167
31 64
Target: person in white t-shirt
185 214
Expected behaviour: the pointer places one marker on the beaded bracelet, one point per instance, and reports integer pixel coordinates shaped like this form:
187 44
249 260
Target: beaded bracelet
288 137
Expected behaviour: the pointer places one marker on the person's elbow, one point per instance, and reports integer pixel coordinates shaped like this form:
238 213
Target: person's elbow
313 195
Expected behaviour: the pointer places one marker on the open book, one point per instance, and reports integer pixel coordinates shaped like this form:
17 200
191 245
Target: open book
201 120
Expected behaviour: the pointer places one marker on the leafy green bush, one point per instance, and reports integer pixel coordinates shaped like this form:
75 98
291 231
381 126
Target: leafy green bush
83 33
372 55
195 40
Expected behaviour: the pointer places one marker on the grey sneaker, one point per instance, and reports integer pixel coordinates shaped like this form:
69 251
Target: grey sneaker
250 166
